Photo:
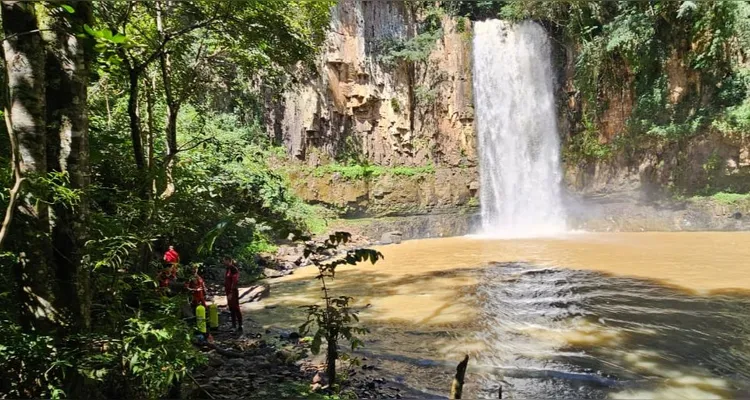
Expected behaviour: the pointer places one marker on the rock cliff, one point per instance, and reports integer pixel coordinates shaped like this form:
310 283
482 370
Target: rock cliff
360 106
356 105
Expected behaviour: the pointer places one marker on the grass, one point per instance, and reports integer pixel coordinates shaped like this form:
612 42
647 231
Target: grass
316 217
356 172
726 198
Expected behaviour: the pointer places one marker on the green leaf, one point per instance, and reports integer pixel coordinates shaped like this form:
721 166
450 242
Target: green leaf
90 30
315 345
118 38
68 8
685 7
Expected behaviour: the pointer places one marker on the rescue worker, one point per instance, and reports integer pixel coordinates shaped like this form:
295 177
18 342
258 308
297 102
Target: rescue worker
231 280
197 287
172 258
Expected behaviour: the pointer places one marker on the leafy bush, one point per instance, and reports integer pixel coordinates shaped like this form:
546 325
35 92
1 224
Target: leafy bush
335 319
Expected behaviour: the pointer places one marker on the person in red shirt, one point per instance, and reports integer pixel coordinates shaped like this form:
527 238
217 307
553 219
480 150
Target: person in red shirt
231 281
197 288
171 256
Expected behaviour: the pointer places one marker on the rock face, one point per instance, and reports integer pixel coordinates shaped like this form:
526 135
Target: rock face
614 213
357 104
701 163
445 190
391 237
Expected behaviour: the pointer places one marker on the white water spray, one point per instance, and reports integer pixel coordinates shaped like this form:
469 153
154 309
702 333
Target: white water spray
516 124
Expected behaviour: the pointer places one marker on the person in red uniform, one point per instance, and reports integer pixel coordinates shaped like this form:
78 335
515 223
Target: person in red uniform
172 258
231 280
197 288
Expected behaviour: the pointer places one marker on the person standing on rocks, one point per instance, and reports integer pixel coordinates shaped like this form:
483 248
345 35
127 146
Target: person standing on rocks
231 282
172 260
197 288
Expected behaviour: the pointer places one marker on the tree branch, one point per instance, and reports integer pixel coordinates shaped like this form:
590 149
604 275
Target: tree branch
24 33
200 142
14 192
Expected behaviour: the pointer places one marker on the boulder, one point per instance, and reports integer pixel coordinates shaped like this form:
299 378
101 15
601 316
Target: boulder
272 273
391 237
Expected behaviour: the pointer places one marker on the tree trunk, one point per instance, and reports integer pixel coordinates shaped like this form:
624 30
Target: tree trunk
173 108
151 131
332 354
66 70
135 119
24 60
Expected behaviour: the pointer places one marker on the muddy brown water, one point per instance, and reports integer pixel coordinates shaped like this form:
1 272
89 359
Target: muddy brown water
621 315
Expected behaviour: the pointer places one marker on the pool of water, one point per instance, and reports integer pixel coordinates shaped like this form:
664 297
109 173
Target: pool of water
627 315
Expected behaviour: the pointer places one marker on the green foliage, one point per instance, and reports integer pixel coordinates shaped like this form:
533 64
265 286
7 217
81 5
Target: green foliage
627 50
735 120
367 171
298 390
335 319
31 363
425 96
395 105
728 198
586 146
418 48
227 197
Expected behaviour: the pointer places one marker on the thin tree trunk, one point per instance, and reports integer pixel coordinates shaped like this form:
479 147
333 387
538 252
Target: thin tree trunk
15 191
66 69
173 108
135 119
332 354
151 131
24 61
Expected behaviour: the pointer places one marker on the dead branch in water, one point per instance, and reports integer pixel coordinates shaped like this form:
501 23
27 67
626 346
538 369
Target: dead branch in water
458 381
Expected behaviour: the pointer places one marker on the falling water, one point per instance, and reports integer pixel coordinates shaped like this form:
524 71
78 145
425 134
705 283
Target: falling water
516 122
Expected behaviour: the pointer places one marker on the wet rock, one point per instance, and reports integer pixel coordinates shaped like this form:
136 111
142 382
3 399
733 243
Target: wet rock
215 360
393 237
289 335
272 273
286 356
237 363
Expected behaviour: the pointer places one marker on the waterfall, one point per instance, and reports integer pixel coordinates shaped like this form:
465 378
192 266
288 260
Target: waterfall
517 129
